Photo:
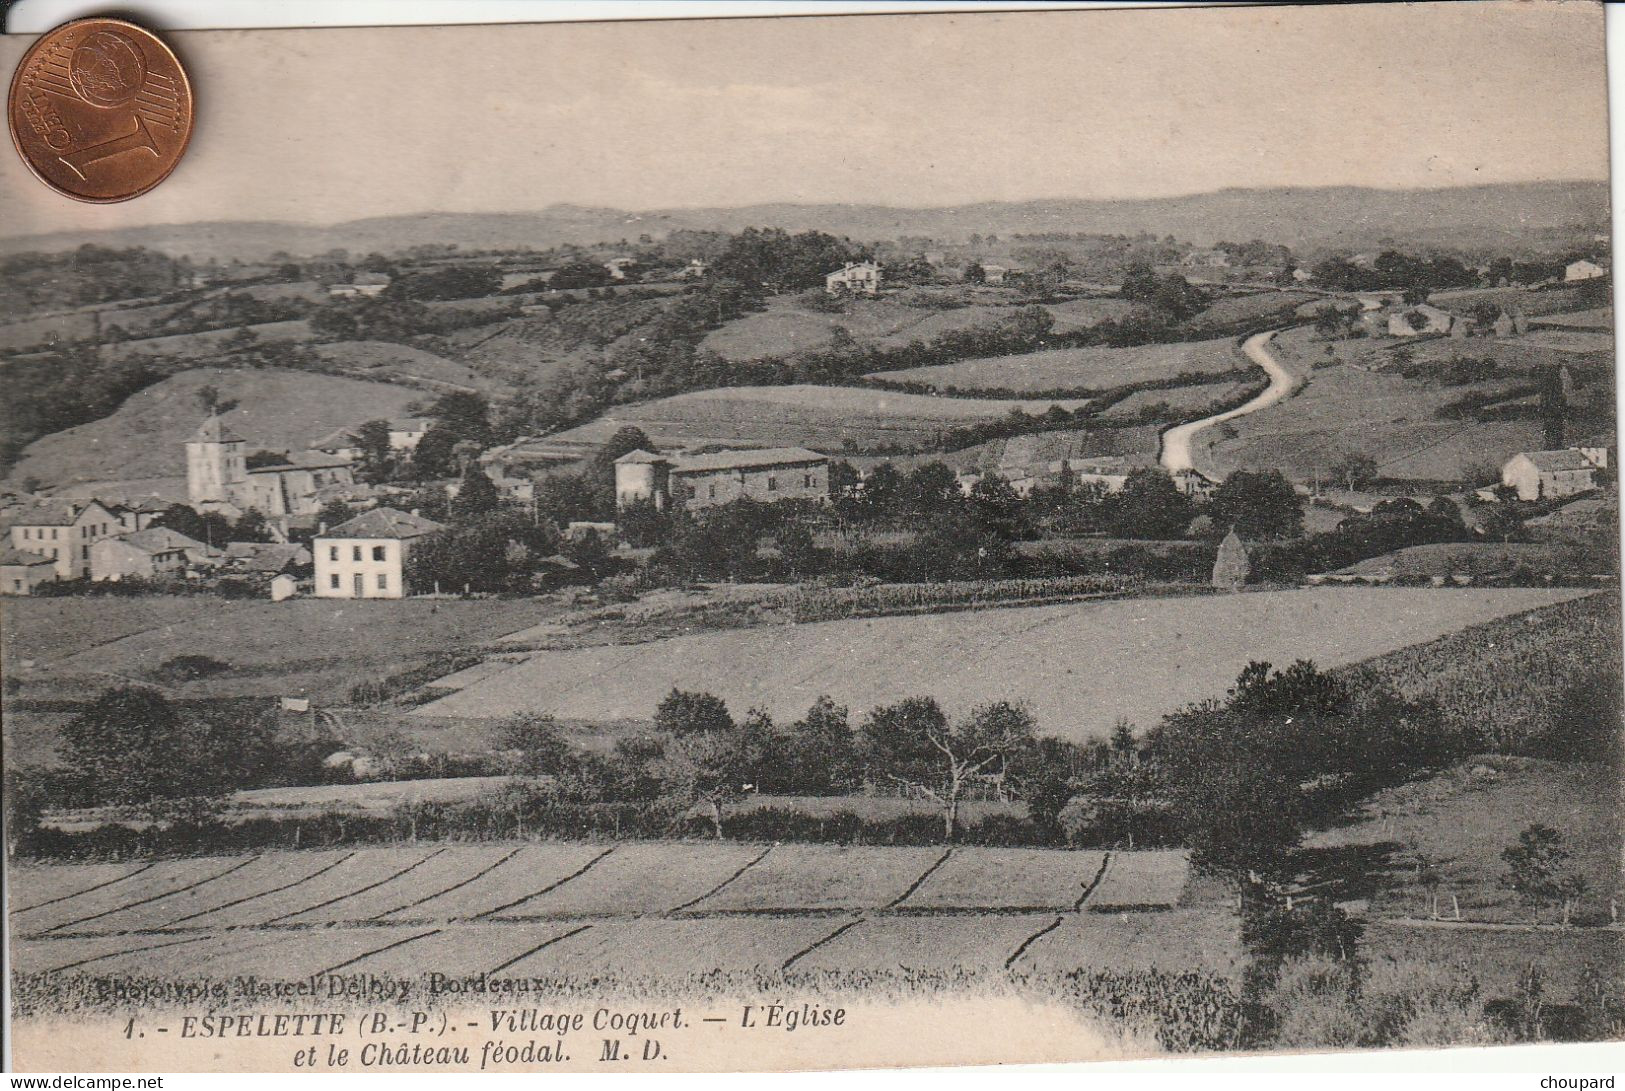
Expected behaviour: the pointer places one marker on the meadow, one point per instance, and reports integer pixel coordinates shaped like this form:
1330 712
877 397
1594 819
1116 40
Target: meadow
825 417
1081 666
1093 368
277 410
310 647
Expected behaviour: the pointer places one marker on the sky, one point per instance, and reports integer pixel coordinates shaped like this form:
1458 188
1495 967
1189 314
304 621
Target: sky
325 125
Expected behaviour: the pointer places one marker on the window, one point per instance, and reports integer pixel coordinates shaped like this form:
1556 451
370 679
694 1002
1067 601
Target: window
378 555
84 552
772 483
16 585
809 481
333 579
712 493
355 553
333 554
383 581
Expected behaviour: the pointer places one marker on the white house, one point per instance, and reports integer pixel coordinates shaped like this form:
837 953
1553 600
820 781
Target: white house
854 278
365 557
406 433
1584 270
1548 475
362 284
63 530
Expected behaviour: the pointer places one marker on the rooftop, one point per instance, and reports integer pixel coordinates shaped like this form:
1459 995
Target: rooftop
214 430
1552 461
742 460
161 540
51 512
384 523
11 556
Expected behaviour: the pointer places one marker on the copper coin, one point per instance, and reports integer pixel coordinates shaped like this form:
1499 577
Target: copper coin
100 110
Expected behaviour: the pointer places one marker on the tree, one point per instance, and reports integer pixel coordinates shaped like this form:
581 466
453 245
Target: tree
376 451
912 744
1150 505
132 747
1356 470
712 746
820 750
975 274
1044 779
1256 505
1538 870
252 527
543 750
477 498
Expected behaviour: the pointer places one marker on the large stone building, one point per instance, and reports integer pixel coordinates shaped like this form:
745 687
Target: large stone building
707 480
62 530
1550 475
365 557
218 477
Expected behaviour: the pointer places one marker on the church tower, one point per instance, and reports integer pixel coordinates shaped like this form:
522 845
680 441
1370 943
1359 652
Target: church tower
214 463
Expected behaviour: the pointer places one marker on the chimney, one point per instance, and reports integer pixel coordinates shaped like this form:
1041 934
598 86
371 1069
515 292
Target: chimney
415 512
321 528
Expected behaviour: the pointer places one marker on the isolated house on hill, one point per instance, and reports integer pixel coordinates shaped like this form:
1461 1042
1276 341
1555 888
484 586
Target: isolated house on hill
1420 319
707 480
1583 270
1549 475
362 284
1231 567
854 278
365 557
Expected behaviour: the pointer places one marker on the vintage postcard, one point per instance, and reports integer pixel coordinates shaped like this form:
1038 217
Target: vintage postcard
816 543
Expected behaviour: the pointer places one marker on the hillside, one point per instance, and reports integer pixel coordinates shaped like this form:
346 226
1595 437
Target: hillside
277 410
1513 216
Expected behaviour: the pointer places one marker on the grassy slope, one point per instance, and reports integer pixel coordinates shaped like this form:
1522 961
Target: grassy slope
387 359
1345 410
817 416
1084 367
144 438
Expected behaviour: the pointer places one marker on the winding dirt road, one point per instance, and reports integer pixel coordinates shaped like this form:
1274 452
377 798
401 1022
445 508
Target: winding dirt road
1176 442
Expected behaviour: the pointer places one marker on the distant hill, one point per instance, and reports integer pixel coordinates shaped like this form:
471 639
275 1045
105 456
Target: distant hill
1503 216
278 410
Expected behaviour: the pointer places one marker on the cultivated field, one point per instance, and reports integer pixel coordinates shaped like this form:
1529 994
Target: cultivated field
387 360
1093 368
1347 410
662 910
825 417
277 410
313 647
1081 665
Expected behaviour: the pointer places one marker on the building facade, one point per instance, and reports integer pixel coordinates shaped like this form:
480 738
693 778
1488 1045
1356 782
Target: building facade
1550 475
218 477
365 557
854 278
64 530
21 572
707 480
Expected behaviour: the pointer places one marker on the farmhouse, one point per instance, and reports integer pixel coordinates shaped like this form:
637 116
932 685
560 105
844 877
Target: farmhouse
362 284
21 572
405 433
218 476
1548 475
156 551
1420 319
365 557
706 480
1584 270
267 558
862 277
63 530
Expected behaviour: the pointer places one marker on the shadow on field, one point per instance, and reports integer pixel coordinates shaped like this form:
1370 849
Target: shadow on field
1350 872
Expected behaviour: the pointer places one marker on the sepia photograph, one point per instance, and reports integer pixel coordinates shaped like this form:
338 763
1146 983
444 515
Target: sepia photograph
832 542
